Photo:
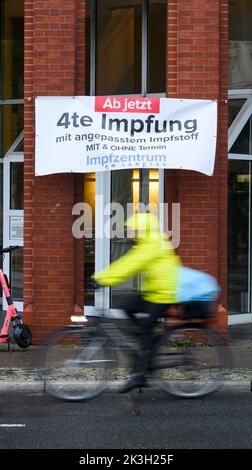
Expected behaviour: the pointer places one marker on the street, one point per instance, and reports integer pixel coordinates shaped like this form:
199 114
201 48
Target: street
31 420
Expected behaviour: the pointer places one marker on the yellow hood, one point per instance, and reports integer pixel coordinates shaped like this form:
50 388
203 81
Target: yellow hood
145 225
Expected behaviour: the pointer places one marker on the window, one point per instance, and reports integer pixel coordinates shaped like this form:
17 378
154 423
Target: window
156 46
16 186
239 213
12 49
240 44
126 54
16 274
240 203
234 108
128 46
11 72
11 125
11 138
89 245
240 127
130 187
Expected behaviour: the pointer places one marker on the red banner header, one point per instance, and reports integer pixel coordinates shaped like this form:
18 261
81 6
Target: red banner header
126 104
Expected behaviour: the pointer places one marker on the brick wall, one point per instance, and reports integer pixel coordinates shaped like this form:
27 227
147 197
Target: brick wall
197 58
54 65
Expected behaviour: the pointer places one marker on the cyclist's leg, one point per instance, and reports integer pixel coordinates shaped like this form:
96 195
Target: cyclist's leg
146 338
132 305
153 311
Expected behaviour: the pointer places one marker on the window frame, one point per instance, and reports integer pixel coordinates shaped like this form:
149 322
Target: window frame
103 179
233 133
144 66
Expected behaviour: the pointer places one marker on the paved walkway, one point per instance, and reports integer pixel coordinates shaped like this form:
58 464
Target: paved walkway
20 367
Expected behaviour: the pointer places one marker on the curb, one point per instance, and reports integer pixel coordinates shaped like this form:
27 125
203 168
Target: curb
23 379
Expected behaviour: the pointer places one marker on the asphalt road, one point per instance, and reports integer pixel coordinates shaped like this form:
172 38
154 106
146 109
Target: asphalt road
152 420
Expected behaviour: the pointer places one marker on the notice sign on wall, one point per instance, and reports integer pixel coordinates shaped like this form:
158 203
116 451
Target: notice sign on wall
16 227
95 133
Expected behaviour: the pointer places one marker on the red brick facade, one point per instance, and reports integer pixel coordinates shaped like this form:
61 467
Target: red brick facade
53 259
55 65
197 67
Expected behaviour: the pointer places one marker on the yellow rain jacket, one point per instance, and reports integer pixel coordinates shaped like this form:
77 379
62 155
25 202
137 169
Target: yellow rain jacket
153 256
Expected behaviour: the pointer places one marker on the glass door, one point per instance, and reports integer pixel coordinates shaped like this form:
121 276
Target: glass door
13 222
117 195
239 208
239 237
131 190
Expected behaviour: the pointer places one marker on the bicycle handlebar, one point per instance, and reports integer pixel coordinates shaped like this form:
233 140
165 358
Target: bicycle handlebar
92 284
8 249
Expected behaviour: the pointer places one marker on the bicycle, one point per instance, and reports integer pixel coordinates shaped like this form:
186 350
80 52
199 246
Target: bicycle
78 361
21 332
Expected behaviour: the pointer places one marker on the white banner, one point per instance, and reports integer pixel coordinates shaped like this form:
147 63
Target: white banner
84 134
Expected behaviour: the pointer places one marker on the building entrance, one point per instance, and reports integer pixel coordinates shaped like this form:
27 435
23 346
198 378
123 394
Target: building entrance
113 196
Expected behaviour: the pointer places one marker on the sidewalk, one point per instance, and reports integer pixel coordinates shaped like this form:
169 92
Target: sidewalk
240 342
20 367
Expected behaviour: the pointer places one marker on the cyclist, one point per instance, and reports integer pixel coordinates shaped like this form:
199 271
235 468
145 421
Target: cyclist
154 257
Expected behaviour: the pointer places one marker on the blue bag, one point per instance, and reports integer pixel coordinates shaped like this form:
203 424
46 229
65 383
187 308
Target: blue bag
194 286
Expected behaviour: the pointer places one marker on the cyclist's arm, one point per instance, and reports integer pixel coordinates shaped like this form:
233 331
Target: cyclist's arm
127 266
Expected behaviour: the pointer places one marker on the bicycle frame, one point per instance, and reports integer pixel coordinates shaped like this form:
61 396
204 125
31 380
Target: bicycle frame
11 313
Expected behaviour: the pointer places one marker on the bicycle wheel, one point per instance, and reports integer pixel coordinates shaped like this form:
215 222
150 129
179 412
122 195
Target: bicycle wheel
189 362
77 364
